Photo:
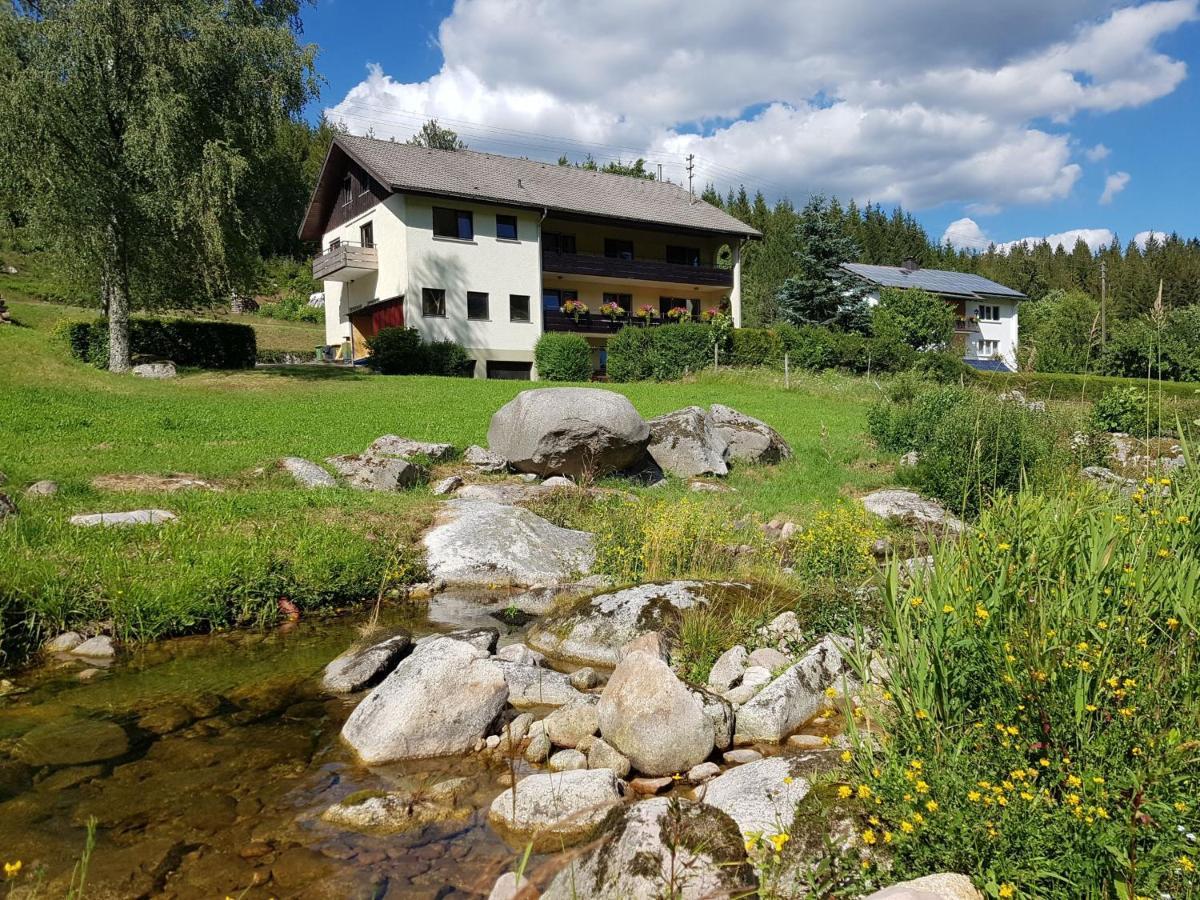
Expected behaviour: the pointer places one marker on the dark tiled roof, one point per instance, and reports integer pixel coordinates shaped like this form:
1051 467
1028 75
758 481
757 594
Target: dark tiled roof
937 281
528 183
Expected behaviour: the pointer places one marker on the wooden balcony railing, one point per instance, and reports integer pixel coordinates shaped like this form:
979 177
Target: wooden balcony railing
635 269
345 262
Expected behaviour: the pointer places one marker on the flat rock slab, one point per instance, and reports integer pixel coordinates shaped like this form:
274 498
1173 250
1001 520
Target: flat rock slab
142 483
761 796
362 667
508 493
155 370
482 542
395 812
307 473
72 743
555 810
910 508
394 445
120 519
530 686
99 647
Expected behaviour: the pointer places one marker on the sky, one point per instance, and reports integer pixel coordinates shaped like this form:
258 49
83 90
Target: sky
990 122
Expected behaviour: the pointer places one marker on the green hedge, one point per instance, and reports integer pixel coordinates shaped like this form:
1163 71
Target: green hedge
400 351
662 353
186 342
563 357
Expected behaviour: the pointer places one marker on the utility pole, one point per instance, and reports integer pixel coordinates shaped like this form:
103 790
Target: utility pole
1103 303
690 166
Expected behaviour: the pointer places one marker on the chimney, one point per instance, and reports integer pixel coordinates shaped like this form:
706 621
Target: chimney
910 265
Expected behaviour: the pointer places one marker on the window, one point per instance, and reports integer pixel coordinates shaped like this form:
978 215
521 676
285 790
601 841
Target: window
364 183
683 256
509 371
506 228
625 301
989 314
433 302
518 307
615 248
552 300
477 305
366 234
987 347
347 190
453 223
554 242
666 304
335 243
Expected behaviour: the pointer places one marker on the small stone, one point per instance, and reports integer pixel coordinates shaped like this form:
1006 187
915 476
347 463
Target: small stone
558 481
788 530
754 679
601 755
703 772
770 659
42 489
484 460
520 654
516 730
158 369
741 756
806 742
492 742
584 679
648 787
100 647
942 886
89 674
727 670
704 487
511 887
567 760
447 486
7 507
529 478
64 643
538 748
569 724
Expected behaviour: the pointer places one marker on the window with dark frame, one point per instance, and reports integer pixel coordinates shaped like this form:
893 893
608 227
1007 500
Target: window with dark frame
366 234
683 256
553 299
518 307
347 189
506 228
666 304
477 305
433 302
453 223
364 183
618 248
625 301
557 242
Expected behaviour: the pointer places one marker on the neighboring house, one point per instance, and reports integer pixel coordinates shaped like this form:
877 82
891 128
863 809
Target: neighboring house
486 250
985 313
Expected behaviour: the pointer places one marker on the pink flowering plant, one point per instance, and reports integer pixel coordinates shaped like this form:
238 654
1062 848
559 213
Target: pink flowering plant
678 313
612 309
574 308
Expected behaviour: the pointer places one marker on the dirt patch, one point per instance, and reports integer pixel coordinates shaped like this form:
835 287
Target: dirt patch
152 484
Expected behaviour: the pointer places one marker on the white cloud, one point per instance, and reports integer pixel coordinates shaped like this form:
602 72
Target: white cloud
968 235
1113 185
922 106
1142 236
1097 153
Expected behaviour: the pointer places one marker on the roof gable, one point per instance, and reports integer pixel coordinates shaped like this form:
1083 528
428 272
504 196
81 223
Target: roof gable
937 281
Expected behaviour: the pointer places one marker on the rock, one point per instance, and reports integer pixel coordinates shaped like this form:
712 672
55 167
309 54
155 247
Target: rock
760 796
146 483
307 473
648 787
484 460
569 724
396 812
64 643
584 679
719 713
770 659
555 810
910 508
538 748
72 742
741 756
685 443
783 631
727 670
479 542
558 481
651 717
514 732
484 639
910 459
749 439
568 431
504 492
651 642
510 886
99 647
166 718
42 489
89 674
567 760
660 846
601 755
754 679
133 517
447 486
796 695
519 654
393 445
1108 477
943 886
593 630
806 742
536 686
360 668
706 771
704 487
162 368
378 473
7 507
438 701
492 742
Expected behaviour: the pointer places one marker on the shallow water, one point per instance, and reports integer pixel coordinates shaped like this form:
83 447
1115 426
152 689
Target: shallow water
206 763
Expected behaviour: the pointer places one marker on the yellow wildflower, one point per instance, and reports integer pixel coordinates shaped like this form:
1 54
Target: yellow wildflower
844 792
906 827
12 869
1172 622
1185 863
868 837
1002 546
847 756
1007 890
916 601
981 614
863 792
974 796
922 787
921 714
778 840
931 805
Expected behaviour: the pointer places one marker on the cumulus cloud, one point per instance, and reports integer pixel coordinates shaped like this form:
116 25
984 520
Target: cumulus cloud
920 106
966 234
1113 185
1097 153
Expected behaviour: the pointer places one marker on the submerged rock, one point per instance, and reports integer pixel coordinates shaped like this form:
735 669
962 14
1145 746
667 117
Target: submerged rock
555 810
393 812
363 667
761 796
749 439
685 443
695 850
72 742
910 508
480 542
63 643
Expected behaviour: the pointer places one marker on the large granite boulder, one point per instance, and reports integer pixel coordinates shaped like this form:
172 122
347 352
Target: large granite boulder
531 685
652 718
555 810
661 847
910 508
481 542
686 444
437 702
362 667
749 439
760 796
797 694
594 630
568 431
942 886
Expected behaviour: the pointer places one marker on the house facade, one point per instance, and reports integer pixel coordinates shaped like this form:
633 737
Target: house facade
491 252
985 312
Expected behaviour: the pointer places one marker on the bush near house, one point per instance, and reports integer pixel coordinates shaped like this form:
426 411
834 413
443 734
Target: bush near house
659 354
401 351
563 357
186 342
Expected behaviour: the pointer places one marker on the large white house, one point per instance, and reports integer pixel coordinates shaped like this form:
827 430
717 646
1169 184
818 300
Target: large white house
488 250
985 312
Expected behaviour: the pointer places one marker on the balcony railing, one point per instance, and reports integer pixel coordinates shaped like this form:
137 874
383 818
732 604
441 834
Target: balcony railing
635 269
595 323
345 262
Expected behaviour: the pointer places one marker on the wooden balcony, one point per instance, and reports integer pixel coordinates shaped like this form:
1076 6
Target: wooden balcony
345 262
594 323
595 266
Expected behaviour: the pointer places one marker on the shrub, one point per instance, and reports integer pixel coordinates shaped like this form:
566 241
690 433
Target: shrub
662 353
1122 409
809 347
400 351
1060 332
919 319
186 342
563 357
756 347
291 307
448 358
943 366
1169 349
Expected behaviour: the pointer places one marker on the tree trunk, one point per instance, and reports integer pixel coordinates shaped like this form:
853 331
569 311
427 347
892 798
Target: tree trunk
116 302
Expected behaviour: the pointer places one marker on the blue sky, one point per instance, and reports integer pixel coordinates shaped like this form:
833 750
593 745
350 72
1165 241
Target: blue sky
990 122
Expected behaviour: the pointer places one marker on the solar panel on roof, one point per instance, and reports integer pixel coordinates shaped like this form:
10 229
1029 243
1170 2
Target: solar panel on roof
938 281
987 365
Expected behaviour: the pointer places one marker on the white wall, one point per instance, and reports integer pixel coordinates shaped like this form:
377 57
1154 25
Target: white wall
1004 333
